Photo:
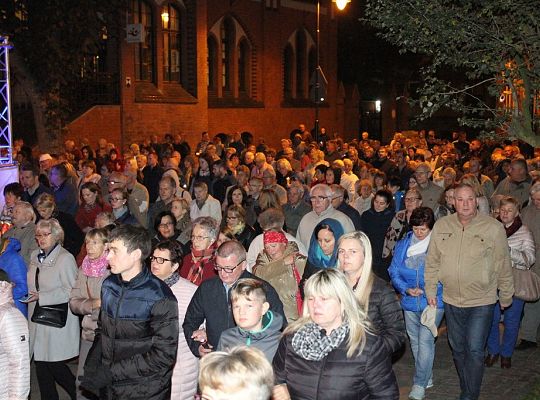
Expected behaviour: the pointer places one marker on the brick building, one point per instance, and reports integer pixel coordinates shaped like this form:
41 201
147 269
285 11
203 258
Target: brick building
221 66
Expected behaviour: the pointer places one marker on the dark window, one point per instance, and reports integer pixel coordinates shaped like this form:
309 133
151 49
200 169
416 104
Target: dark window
301 79
243 67
144 55
227 39
212 63
172 43
288 71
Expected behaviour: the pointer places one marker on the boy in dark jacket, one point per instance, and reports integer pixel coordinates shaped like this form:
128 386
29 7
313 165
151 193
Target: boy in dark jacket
256 325
136 342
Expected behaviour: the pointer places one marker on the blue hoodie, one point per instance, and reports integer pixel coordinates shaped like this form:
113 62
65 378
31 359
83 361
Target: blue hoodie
13 263
404 278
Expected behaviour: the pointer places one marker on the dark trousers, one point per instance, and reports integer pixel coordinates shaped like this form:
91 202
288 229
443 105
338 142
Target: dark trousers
48 373
468 330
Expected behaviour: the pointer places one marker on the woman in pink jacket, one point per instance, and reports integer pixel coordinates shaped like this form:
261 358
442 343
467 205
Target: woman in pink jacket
165 261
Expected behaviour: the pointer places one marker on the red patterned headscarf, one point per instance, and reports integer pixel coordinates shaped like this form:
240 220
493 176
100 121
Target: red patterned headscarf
274 237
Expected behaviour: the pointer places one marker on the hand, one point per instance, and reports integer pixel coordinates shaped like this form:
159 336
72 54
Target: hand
34 296
415 292
503 306
199 335
96 303
432 301
204 351
280 392
289 260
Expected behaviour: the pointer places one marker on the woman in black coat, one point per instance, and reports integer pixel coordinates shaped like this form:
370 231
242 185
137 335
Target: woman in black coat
329 353
375 223
235 223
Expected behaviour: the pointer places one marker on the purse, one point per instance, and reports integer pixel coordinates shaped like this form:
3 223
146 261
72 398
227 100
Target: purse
526 284
54 315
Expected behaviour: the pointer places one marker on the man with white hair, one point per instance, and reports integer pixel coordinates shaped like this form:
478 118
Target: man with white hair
349 179
296 207
321 202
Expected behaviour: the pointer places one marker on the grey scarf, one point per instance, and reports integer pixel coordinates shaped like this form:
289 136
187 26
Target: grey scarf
311 342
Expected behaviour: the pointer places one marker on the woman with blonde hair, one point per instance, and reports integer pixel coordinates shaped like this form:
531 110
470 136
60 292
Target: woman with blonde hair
330 352
482 200
376 297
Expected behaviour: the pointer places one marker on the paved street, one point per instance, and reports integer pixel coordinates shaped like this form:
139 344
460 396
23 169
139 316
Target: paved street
499 384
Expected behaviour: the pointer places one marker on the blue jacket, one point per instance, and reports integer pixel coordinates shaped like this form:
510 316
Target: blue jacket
13 263
404 278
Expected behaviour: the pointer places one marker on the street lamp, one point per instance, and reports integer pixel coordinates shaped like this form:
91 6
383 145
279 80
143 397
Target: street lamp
319 79
341 4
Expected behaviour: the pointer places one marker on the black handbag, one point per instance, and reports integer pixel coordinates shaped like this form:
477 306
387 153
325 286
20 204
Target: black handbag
54 315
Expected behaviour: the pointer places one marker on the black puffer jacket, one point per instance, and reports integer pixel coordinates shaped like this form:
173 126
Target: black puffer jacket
362 377
139 336
386 315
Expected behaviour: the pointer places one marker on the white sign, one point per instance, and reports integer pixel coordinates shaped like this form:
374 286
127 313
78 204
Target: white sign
135 33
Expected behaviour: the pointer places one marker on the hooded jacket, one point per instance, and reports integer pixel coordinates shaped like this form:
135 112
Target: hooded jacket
14 265
266 340
14 352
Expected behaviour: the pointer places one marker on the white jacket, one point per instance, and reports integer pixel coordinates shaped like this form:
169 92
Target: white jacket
14 349
210 208
186 371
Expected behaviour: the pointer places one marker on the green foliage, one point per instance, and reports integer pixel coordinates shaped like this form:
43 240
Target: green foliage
55 38
476 49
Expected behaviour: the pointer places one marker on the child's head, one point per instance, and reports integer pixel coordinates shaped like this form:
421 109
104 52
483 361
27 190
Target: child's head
243 373
249 304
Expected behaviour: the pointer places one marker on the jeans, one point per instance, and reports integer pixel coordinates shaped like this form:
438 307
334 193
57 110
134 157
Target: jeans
531 321
512 317
422 346
468 330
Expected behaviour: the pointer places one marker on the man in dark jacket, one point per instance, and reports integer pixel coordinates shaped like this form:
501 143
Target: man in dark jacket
65 192
32 186
136 343
152 174
212 302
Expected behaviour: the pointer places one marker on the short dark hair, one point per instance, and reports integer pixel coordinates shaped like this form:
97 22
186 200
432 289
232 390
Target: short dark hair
230 193
422 216
321 168
162 214
30 167
15 188
175 250
134 238
387 196
61 170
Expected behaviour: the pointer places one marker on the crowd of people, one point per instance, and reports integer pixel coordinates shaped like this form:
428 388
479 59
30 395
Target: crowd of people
235 270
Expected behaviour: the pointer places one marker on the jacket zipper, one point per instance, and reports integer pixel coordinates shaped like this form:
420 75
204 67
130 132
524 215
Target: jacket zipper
418 286
320 374
459 265
114 325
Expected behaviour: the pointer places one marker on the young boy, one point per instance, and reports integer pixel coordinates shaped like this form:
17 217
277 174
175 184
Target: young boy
257 325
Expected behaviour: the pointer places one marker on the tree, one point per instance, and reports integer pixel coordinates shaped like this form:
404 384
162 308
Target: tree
53 41
484 58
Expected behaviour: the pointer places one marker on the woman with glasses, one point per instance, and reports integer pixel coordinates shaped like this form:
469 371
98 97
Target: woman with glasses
237 195
236 224
52 274
165 262
400 223
91 205
119 202
199 265
282 266
165 227
46 208
86 294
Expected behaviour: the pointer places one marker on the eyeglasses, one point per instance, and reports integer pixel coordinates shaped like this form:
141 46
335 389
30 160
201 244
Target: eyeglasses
42 235
159 260
228 269
408 199
318 198
165 224
199 238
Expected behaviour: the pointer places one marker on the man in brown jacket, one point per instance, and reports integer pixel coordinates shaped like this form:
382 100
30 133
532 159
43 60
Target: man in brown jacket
468 254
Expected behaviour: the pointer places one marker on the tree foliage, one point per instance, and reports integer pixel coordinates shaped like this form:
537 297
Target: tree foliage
480 52
52 42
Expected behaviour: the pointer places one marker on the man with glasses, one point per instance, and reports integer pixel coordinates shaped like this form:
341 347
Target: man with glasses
430 192
211 301
321 202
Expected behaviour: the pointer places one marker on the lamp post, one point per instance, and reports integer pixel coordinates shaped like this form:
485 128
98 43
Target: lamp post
319 75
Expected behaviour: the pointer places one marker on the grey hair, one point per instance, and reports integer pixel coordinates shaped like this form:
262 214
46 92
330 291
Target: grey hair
210 225
324 187
56 230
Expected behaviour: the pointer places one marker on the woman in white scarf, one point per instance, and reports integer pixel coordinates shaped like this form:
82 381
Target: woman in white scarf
407 275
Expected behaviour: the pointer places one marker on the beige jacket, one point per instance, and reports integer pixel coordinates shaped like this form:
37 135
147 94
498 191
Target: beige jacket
471 262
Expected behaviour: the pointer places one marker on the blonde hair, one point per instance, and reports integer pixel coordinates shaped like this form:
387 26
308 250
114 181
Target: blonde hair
54 226
46 201
474 183
365 283
241 373
332 283
28 209
249 288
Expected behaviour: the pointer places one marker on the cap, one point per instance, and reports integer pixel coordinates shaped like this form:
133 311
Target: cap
428 319
45 157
